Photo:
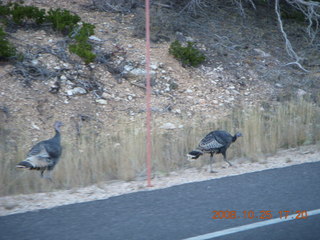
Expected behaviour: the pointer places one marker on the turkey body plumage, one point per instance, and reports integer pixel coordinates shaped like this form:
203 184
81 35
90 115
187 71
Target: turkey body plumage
45 154
215 142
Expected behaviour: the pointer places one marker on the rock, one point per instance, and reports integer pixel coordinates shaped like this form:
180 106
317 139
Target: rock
67 66
63 77
168 125
153 67
279 85
34 126
76 91
202 101
139 72
189 91
261 53
34 62
94 38
102 101
189 39
132 72
9 205
301 92
177 111
106 95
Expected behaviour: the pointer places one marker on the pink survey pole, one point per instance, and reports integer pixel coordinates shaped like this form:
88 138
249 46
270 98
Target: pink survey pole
148 95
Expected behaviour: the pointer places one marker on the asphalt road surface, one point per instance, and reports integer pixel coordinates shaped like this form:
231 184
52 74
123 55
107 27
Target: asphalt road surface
187 210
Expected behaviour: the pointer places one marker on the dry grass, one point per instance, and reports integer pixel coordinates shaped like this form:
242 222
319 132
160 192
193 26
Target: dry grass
96 156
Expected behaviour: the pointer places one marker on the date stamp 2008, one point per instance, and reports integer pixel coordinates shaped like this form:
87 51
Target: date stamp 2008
263 214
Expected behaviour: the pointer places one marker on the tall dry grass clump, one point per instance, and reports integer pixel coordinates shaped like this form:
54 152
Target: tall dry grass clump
96 155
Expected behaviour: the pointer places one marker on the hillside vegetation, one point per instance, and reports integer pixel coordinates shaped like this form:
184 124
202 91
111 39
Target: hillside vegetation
230 65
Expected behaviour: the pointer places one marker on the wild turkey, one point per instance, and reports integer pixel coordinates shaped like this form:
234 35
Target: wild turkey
215 142
45 154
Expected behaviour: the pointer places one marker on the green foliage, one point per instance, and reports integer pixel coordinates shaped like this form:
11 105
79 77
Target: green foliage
4 10
85 32
63 20
187 55
20 13
6 49
287 12
83 50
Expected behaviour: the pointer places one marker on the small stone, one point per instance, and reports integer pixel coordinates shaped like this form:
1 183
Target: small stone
168 125
301 92
67 66
34 62
261 53
76 91
63 77
189 39
35 126
177 111
189 91
106 95
9 205
154 67
102 101
202 101
278 85
94 38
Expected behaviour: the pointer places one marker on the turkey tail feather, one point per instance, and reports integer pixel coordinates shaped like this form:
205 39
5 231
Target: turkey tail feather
195 154
24 164
34 162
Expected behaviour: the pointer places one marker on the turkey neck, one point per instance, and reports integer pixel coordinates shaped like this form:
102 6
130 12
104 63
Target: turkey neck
234 138
57 136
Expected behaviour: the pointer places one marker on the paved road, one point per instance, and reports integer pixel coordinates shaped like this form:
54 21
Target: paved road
183 211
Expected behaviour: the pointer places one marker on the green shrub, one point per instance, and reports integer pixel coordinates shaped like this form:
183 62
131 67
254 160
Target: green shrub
62 20
6 49
84 33
4 10
187 55
20 13
83 50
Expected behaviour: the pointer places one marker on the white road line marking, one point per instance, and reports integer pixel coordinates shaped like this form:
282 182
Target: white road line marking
249 226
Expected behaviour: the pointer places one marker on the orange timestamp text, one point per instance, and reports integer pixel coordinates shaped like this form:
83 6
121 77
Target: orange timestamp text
263 214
